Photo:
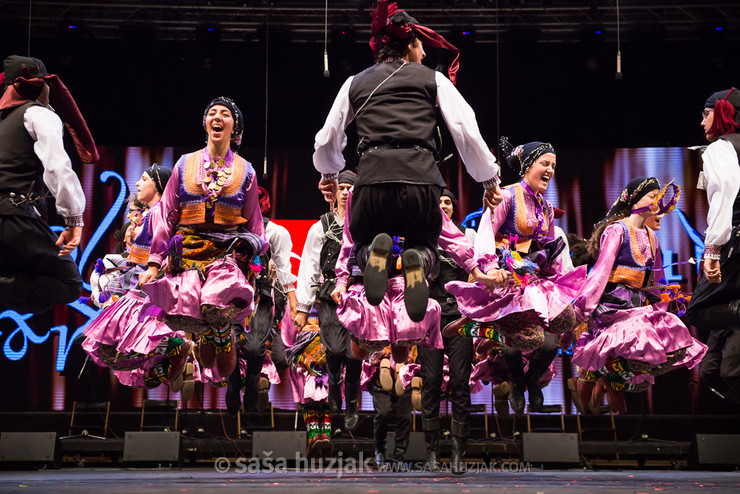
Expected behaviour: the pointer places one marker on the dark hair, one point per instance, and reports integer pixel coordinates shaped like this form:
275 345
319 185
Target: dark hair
120 235
393 48
133 201
594 243
578 249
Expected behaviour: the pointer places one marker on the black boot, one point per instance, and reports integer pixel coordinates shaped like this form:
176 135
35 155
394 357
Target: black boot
380 460
351 395
399 453
536 399
335 396
539 362
431 439
516 398
351 416
460 432
233 400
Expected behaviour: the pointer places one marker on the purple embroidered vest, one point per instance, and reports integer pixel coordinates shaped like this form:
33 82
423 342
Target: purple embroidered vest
228 208
527 218
631 266
142 243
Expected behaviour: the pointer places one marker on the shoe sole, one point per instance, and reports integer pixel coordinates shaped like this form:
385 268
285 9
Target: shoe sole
574 396
188 384
375 276
416 393
400 390
263 395
386 379
416 291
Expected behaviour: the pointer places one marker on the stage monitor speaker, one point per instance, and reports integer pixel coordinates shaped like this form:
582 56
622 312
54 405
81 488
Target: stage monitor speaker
417 450
718 449
30 447
152 447
279 444
550 447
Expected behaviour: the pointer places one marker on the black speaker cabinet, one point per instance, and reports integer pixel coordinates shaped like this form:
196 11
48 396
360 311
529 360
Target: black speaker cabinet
279 444
417 450
550 447
718 449
147 447
30 447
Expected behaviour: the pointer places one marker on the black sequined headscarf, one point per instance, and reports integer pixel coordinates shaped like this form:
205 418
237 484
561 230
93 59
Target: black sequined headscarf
236 136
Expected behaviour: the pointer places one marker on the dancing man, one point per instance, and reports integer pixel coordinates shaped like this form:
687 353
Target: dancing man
35 274
398 187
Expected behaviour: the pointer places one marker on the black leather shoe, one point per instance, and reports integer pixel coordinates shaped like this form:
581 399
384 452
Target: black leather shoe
416 290
458 466
233 400
516 398
536 399
380 461
431 438
351 416
335 397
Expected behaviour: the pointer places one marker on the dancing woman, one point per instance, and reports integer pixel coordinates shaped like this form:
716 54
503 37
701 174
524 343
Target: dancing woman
210 225
626 338
522 226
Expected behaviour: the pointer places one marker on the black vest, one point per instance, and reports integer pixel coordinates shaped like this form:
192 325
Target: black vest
396 126
448 271
329 254
263 280
19 165
734 139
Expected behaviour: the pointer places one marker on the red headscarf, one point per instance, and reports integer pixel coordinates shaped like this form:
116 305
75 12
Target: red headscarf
382 29
25 77
264 198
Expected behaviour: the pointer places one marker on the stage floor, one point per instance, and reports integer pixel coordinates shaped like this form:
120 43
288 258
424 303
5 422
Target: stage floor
202 480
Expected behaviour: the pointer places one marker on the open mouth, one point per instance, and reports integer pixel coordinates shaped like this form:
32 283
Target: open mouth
217 127
545 179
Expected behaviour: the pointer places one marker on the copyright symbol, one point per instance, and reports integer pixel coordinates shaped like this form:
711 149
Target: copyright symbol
222 465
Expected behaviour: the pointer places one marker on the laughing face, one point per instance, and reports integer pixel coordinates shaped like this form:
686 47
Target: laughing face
219 124
539 175
654 222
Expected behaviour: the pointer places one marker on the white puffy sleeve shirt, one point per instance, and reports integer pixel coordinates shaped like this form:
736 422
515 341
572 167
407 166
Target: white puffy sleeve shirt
46 128
722 171
456 112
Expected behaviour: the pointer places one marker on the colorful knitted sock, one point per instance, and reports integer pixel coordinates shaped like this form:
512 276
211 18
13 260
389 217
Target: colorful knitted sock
157 375
476 329
326 421
592 376
310 417
222 338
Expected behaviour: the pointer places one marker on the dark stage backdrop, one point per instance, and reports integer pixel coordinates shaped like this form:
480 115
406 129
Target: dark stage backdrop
41 358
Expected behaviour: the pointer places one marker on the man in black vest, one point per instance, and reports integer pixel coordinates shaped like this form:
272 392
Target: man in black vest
715 305
316 280
35 273
275 285
459 351
394 105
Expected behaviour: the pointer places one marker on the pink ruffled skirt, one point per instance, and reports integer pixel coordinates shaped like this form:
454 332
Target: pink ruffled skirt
184 294
376 327
545 297
121 326
645 334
